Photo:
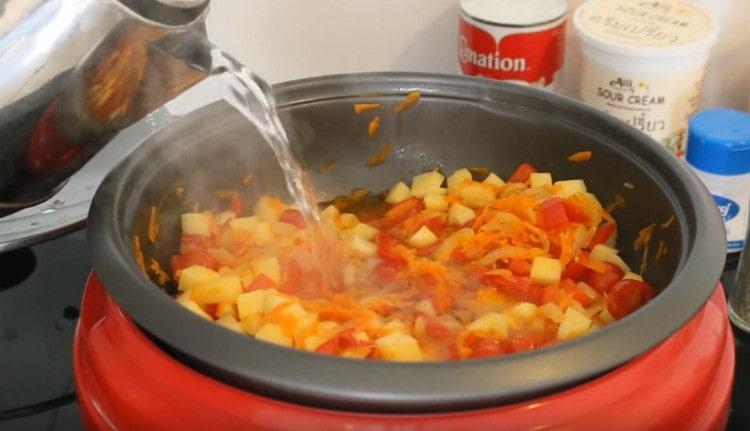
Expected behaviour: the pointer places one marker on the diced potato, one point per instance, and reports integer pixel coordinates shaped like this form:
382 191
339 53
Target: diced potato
273 300
632 276
394 325
222 289
425 307
570 187
420 327
605 315
545 270
348 220
327 329
459 215
195 308
435 203
312 342
251 303
196 224
492 324
230 322
476 195
523 310
194 275
494 180
261 231
537 179
362 230
426 184
458 178
273 333
250 324
224 217
226 309
268 209
363 248
552 312
399 347
330 213
455 239
398 193
423 238
604 253
295 311
574 324
268 265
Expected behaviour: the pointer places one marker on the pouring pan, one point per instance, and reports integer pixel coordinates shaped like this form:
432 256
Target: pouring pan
459 122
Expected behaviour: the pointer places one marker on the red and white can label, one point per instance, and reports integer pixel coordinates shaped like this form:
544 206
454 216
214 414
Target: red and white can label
530 55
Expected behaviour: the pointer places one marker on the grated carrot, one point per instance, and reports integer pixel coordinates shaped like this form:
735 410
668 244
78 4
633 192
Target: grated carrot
408 101
247 180
153 225
580 157
642 241
667 222
327 167
379 158
139 258
661 250
162 276
373 127
363 107
617 203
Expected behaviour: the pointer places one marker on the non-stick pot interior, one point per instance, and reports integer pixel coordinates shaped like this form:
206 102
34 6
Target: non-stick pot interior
459 122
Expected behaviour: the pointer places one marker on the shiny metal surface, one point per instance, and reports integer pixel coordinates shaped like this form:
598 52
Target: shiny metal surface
75 73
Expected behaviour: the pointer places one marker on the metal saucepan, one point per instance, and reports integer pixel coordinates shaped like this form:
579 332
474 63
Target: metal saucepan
459 122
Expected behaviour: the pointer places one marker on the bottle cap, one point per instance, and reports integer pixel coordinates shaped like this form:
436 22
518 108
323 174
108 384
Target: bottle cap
719 142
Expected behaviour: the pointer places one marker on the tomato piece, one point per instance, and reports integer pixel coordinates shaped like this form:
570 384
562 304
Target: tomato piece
387 253
47 150
575 212
402 210
292 275
293 217
343 340
520 267
436 224
329 347
483 347
435 329
185 260
197 242
261 282
522 173
386 273
574 271
603 233
628 295
519 287
553 215
551 294
524 343
603 281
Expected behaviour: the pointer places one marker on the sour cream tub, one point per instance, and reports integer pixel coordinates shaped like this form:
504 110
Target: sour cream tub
644 62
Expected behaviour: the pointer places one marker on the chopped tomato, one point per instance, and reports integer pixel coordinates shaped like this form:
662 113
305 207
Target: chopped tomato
343 340
387 253
292 275
261 282
553 215
402 210
292 217
519 287
186 260
627 295
520 267
436 224
574 271
197 242
483 347
575 212
386 273
603 233
523 343
47 150
603 281
522 173
435 328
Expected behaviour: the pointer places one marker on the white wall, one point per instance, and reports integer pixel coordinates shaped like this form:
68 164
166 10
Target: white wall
288 39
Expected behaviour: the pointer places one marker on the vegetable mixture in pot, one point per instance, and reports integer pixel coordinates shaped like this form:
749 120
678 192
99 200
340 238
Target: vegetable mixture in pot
465 267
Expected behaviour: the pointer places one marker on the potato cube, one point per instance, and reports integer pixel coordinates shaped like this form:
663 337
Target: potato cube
423 238
435 203
363 248
537 179
268 265
251 323
362 230
251 303
273 333
492 324
273 300
348 220
222 289
194 275
398 193
330 213
196 224
567 188
552 312
231 323
458 178
195 308
523 310
604 253
226 309
261 231
459 215
574 324
312 342
398 346
268 209
224 217
394 325
476 195
426 184
425 307
545 270
494 180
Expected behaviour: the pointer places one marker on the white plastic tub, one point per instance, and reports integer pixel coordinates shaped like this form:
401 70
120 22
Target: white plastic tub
644 62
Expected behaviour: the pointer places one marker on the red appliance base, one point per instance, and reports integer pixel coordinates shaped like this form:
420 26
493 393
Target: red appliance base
126 382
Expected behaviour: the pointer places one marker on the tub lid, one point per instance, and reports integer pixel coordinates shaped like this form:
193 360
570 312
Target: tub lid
719 142
666 28
515 13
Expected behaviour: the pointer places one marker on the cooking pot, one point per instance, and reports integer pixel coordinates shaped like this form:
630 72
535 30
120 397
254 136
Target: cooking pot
459 122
